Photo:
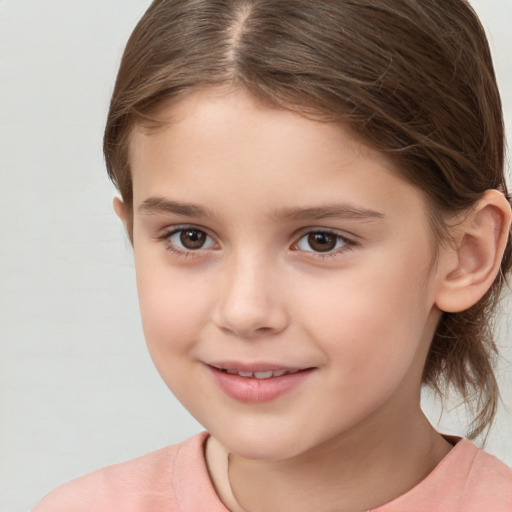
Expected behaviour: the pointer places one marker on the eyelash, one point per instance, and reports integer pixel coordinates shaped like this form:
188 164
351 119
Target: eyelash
349 244
165 238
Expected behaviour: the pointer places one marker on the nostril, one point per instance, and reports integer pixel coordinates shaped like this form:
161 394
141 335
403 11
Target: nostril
264 329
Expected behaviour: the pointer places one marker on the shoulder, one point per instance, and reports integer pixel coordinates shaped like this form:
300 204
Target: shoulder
143 484
471 480
467 480
487 478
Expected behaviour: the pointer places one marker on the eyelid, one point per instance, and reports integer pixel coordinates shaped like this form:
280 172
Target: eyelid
349 241
165 234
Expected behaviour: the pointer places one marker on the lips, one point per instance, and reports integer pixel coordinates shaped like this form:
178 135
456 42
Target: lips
256 383
262 375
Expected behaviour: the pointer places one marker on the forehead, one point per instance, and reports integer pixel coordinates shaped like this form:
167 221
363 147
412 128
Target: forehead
231 142
211 109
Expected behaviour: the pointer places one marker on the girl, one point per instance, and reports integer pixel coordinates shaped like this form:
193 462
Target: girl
315 196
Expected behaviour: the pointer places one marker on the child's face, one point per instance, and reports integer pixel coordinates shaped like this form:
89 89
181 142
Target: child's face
265 241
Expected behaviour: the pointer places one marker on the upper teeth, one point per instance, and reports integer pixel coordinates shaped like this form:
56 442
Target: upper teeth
261 375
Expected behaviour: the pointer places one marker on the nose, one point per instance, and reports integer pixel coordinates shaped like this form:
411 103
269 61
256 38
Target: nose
251 300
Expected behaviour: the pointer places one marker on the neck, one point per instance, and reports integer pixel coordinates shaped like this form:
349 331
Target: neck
353 472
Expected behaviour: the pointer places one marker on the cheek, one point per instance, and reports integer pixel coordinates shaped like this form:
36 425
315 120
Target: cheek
174 313
373 318
174 308
374 343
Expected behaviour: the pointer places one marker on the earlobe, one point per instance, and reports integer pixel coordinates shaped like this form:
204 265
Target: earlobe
119 208
479 244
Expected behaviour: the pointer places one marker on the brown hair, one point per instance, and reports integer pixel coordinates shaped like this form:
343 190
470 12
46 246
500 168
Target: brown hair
413 78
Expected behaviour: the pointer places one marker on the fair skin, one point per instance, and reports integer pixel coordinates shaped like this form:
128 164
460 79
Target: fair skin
267 241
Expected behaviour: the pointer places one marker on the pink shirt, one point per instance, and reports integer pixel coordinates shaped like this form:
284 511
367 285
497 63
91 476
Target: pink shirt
175 479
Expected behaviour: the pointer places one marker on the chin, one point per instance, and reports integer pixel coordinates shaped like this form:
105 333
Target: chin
262 445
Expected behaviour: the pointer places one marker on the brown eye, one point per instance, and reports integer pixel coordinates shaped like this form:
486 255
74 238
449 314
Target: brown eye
192 238
184 240
321 242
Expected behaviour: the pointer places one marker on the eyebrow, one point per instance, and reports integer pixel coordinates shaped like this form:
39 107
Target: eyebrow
155 205
330 211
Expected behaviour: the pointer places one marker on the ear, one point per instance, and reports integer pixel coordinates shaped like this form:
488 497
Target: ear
469 266
125 215
119 208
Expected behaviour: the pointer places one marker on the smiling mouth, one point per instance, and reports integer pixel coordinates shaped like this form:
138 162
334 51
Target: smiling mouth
259 375
257 371
257 382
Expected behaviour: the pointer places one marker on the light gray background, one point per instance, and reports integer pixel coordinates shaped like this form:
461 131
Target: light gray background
77 387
